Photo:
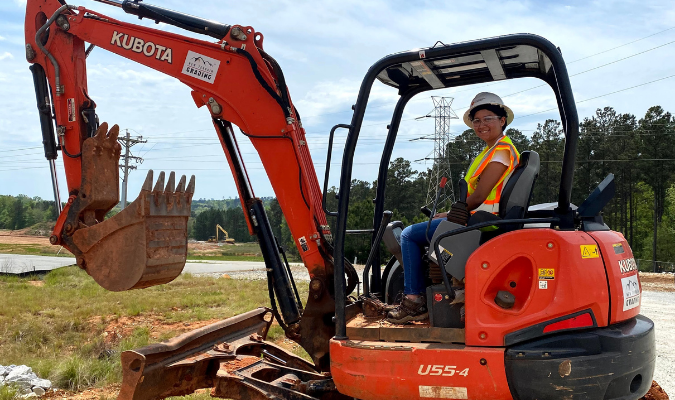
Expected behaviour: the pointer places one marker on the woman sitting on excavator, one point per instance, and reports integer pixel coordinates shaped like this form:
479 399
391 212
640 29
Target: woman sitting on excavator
486 177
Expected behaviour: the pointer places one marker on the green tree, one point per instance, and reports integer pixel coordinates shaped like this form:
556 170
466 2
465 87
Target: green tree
657 130
547 140
18 217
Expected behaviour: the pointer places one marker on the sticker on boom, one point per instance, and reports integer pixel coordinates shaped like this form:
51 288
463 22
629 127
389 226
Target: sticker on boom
138 45
201 67
303 243
589 251
72 115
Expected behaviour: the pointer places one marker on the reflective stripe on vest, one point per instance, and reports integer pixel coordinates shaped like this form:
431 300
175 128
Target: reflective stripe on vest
491 204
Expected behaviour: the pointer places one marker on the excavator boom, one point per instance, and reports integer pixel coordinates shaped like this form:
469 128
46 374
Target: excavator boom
240 84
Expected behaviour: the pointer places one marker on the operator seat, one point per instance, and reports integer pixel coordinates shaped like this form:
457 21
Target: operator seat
515 199
512 205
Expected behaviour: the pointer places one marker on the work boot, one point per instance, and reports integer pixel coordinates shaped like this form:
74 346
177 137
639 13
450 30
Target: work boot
373 307
409 310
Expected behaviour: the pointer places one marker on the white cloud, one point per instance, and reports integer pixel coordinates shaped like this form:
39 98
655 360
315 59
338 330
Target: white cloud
324 61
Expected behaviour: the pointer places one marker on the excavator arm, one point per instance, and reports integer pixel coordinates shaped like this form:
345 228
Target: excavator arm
240 85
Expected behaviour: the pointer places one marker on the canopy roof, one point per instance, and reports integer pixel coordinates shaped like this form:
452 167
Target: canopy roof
467 67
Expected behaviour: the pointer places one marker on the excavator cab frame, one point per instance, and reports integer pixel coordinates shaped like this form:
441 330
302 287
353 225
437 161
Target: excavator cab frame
447 66
527 343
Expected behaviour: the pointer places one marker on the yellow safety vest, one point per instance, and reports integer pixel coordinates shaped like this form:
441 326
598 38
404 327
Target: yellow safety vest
491 204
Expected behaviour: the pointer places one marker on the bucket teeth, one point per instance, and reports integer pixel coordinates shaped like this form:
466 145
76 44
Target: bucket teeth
102 132
171 184
159 186
191 186
147 185
181 185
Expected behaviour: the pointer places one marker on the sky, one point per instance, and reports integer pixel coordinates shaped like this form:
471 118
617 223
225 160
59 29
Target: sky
325 48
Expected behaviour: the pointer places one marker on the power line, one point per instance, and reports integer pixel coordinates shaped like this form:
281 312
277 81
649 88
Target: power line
128 142
602 95
24 148
580 59
625 44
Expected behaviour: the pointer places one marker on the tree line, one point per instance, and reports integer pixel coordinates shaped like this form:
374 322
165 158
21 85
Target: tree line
22 211
636 150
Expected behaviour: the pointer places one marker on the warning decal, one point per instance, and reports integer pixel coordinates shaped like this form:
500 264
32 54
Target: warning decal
445 255
72 115
303 243
543 284
589 251
618 248
546 273
631 292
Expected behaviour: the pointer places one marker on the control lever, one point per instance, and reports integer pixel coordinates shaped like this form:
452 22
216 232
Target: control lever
426 211
463 190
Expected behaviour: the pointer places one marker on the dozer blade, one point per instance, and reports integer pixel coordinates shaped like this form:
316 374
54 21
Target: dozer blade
143 245
232 357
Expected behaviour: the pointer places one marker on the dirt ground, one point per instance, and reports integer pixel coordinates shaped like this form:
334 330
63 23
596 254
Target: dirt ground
118 328
22 237
15 238
657 282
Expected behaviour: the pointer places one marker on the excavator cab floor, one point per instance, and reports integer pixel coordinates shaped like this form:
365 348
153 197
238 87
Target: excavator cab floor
378 329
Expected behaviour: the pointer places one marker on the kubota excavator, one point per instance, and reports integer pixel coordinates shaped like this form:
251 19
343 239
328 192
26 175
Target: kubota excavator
552 295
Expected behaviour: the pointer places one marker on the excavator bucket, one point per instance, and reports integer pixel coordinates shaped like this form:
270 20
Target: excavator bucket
143 245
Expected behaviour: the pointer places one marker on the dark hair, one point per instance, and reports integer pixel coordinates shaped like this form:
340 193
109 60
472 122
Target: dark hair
497 110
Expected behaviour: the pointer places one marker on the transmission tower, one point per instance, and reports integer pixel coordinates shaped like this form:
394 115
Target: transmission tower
128 142
442 114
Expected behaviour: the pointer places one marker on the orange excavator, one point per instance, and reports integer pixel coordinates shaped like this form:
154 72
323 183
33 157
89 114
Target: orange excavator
551 294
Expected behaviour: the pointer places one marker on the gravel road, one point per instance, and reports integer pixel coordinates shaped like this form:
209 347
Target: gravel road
660 308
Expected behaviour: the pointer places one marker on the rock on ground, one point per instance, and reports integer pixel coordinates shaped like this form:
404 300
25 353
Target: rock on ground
24 379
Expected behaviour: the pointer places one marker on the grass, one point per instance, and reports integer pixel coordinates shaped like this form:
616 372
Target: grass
60 328
8 393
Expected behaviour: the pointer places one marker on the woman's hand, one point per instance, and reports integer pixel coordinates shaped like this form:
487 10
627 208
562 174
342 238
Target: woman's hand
441 215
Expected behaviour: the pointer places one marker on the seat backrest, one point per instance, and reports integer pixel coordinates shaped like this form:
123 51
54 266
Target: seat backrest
518 190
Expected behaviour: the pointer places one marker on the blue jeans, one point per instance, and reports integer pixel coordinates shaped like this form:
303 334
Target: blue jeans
412 238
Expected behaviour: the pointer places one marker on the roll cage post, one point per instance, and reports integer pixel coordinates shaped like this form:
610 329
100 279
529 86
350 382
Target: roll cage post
548 66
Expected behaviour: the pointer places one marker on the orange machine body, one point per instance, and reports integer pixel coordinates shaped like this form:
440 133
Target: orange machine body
563 281
377 370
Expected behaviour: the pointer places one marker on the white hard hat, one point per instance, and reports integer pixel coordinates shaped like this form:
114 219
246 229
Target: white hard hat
483 98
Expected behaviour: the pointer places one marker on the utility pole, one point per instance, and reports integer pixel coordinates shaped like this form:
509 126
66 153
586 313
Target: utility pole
128 142
442 114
